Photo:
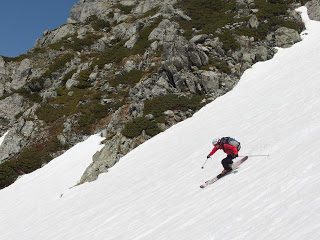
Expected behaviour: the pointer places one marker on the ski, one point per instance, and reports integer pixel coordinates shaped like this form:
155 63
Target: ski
234 166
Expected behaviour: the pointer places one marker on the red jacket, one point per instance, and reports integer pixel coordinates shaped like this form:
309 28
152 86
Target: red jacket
227 148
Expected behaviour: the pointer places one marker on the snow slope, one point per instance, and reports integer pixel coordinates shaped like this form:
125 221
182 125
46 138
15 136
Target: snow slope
2 138
153 192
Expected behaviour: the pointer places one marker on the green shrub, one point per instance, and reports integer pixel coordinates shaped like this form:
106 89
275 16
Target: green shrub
74 43
114 54
92 113
7 174
97 23
228 40
130 78
158 105
85 123
222 66
151 12
68 76
15 59
210 15
143 43
49 114
83 79
125 9
60 62
79 43
62 105
206 15
134 128
33 97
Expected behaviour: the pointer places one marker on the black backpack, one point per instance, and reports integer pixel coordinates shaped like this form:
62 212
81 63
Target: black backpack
230 141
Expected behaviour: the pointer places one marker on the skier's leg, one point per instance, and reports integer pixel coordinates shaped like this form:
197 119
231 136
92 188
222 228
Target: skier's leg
227 162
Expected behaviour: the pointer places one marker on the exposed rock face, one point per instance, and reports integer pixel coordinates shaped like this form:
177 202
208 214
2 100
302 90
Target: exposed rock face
16 139
86 8
152 87
10 107
102 160
54 36
20 76
181 54
146 5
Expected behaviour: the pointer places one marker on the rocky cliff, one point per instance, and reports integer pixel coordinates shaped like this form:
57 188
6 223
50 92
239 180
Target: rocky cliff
130 69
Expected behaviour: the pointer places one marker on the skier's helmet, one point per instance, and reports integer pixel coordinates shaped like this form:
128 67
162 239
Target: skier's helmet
215 141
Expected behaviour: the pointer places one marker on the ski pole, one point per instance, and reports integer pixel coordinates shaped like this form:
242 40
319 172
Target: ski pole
261 155
205 163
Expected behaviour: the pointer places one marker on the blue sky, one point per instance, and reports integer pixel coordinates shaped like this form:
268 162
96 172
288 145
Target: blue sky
22 22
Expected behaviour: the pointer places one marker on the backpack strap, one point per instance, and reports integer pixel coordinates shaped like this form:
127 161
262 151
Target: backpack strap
223 141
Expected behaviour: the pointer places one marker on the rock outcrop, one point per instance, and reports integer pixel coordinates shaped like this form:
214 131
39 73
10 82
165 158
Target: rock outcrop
314 10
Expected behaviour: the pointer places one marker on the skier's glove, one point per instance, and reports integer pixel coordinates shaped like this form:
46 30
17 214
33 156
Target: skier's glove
208 156
234 155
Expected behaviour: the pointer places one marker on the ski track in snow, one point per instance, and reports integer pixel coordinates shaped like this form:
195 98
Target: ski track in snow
153 192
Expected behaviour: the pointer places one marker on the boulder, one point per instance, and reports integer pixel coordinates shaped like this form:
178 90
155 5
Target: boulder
286 37
253 22
132 41
209 81
313 10
156 85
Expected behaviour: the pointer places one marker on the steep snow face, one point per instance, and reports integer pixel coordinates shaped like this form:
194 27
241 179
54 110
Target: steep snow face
153 192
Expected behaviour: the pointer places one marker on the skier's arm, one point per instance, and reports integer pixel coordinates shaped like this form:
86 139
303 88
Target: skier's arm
213 151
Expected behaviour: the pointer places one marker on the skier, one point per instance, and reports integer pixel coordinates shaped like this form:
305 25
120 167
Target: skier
231 151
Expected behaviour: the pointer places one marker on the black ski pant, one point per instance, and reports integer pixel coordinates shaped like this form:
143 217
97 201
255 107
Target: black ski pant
226 162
